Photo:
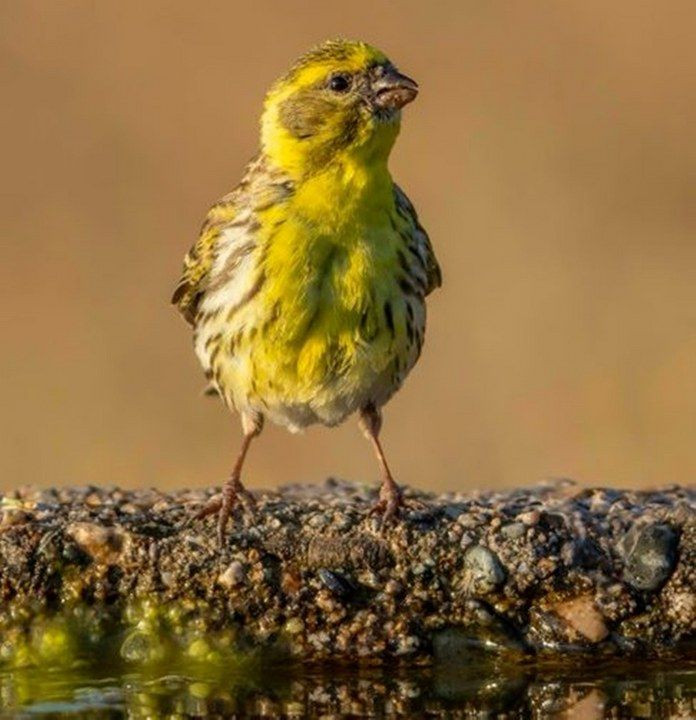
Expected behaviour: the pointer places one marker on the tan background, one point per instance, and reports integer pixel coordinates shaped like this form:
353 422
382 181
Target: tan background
552 155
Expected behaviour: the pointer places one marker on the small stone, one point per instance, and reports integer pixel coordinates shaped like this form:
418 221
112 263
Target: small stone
419 569
468 520
482 568
546 566
454 510
651 555
530 518
294 626
342 523
102 544
552 521
682 608
290 583
568 553
454 532
407 645
393 587
339 585
318 521
513 531
583 617
581 552
233 576
466 540
370 579
93 500
14 516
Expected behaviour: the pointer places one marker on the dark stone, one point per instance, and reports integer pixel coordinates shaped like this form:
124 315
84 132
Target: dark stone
338 584
651 556
75 555
454 510
552 521
582 553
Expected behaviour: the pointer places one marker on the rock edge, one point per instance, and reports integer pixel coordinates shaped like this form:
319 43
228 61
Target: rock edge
551 570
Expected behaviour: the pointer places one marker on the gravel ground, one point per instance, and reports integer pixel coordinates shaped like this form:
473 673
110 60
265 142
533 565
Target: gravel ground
552 570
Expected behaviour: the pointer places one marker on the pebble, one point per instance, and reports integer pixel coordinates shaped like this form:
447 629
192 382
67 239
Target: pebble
482 569
294 626
468 520
651 554
583 617
529 518
233 575
102 544
513 531
466 540
393 587
338 584
407 645
14 516
454 510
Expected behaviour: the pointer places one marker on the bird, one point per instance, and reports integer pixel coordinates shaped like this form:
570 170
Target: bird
306 287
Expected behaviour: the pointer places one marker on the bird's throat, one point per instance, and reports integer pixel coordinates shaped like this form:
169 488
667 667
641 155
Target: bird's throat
344 193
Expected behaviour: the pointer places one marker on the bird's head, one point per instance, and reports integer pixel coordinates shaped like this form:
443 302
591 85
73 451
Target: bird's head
340 101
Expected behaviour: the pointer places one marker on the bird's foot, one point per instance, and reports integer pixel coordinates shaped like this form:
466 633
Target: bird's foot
392 503
233 493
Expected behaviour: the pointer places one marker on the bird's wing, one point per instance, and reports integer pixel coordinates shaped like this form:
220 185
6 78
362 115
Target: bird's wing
421 244
200 258
261 187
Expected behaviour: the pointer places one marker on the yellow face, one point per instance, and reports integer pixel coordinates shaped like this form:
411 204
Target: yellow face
342 98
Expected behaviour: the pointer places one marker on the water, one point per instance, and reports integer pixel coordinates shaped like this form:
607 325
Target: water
477 690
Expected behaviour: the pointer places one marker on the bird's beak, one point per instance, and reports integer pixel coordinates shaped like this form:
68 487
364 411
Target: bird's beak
392 90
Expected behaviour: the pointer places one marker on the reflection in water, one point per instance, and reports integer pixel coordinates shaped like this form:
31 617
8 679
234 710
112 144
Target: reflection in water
476 690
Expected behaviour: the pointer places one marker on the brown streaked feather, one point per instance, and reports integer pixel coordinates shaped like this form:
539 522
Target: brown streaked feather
261 187
420 245
211 390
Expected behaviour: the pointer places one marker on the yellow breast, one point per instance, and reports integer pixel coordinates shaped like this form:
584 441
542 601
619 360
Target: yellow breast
329 325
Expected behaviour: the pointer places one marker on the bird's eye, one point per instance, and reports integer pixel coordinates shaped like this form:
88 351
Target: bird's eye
340 82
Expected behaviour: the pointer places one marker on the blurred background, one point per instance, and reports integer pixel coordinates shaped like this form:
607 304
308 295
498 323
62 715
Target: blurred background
552 157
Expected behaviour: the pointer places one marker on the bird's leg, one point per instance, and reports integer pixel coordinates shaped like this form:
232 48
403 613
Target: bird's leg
233 491
390 497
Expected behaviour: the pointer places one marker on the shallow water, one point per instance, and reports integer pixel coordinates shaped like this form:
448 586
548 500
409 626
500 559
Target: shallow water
481 690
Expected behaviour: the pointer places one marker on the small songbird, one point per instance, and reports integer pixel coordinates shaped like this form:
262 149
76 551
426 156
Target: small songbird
306 288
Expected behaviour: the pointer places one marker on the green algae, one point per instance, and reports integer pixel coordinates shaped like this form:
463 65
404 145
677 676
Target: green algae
142 635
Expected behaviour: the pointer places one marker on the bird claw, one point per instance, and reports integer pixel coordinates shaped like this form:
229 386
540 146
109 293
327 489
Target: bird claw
233 493
391 504
210 508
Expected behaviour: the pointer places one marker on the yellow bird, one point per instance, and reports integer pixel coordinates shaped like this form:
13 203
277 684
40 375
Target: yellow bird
306 288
